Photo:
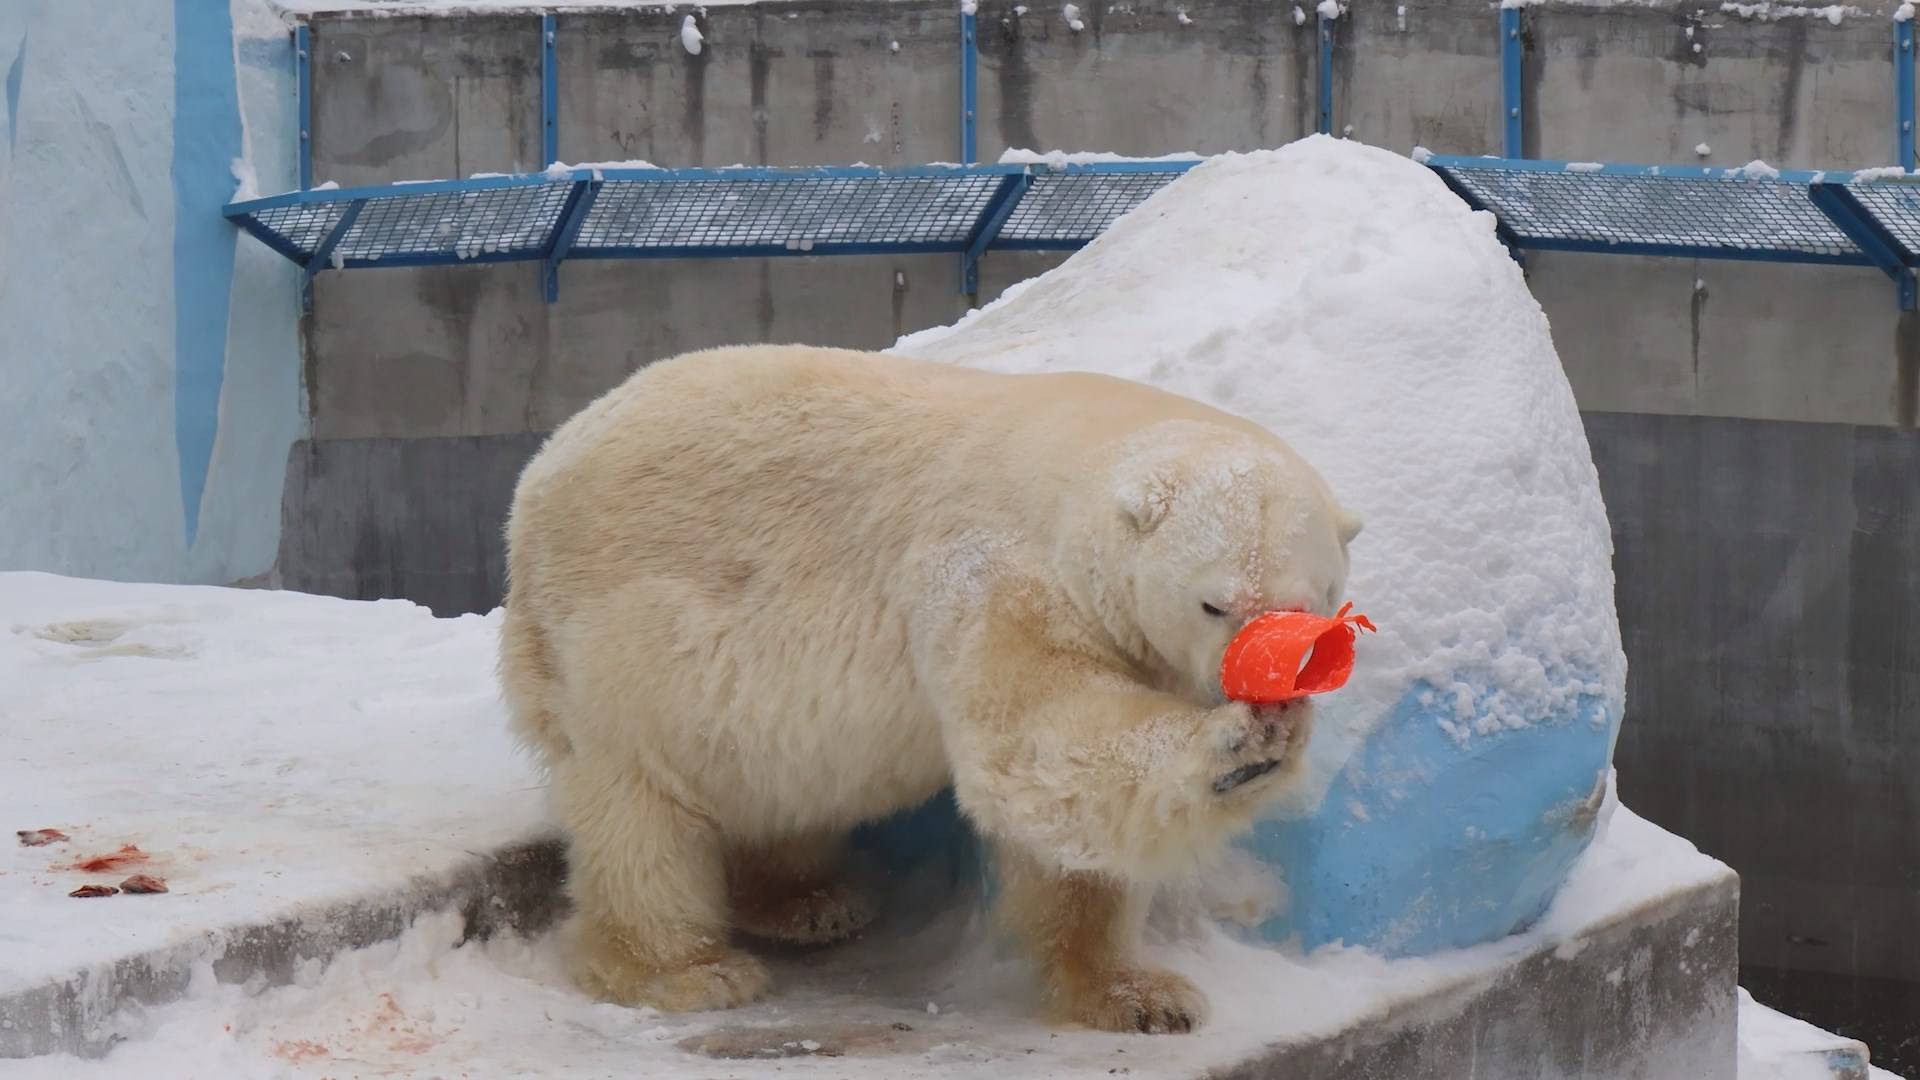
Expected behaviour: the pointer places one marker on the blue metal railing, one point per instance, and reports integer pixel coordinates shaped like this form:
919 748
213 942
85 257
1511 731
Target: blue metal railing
702 213
1656 210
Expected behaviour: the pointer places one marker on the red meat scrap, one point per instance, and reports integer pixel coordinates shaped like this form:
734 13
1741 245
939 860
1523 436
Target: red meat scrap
86 891
40 837
143 883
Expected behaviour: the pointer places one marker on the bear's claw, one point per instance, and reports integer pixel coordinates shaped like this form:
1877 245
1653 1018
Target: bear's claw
1149 1002
1243 774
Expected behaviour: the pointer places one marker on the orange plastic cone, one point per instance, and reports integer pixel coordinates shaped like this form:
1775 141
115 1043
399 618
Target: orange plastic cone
1285 655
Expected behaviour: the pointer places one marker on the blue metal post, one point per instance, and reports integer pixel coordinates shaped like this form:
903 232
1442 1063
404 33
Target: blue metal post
549 96
303 90
1867 232
969 145
1324 76
1903 92
969 87
1510 104
992 216
323 252
565 229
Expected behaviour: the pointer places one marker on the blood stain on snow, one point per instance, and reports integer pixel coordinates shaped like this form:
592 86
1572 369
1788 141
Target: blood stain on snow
128 855
300 1050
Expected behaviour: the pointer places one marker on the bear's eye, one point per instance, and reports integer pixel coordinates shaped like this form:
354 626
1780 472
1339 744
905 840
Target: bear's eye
1211 610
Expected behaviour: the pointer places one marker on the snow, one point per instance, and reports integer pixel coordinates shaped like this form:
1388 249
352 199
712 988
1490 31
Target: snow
1485 559
1183 18
274 750
1766 11
1299 16
690 36
1584 166
1884 172
269 751
1703 150
1071 13
1775 1046
1903 13
1328 9
1056 159
1757 170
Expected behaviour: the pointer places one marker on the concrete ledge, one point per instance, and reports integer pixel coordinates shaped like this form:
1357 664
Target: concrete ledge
513 890
1649 995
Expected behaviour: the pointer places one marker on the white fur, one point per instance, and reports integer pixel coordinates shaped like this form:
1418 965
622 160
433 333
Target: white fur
760 595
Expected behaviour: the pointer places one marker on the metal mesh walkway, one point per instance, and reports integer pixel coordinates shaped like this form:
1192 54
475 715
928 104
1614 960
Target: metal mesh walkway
702 213
1866 219
1654 209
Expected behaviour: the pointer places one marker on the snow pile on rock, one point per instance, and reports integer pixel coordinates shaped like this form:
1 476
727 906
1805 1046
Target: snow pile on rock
1406 359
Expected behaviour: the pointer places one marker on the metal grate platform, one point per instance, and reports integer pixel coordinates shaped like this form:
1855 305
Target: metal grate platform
703 213
1653 209
1869 219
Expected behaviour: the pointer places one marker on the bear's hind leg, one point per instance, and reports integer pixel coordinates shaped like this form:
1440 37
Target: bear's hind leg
1081 928
648 884
789 890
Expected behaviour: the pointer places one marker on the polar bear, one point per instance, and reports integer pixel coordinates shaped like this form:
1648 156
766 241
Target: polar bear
759 595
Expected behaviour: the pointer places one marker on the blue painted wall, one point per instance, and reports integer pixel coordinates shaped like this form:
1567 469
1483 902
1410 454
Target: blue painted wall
152 361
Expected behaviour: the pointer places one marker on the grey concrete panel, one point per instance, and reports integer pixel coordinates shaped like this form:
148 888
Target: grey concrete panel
1623 83
1419 73
420 519
1136 80
424 98
1770 603
474 350
1720 338
807 82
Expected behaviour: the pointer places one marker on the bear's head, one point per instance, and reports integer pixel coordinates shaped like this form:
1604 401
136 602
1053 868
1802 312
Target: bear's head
1210 525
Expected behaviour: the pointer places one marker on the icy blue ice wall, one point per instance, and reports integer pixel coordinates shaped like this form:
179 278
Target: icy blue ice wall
150 355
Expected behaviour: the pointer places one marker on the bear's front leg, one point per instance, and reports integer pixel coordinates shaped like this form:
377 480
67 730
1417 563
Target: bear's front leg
648 882
1082 927
790 890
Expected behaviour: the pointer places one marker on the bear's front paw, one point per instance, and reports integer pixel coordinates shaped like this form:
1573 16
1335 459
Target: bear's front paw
1251 743
1135 999
606 969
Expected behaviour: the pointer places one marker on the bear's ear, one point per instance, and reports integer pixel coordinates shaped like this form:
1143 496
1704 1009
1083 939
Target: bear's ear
1147 496
1350 526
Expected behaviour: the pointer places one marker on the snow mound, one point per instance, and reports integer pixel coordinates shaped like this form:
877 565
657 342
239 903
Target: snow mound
1343 297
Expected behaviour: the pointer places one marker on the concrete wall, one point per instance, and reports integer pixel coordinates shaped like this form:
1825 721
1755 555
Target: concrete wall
1752 423
150 354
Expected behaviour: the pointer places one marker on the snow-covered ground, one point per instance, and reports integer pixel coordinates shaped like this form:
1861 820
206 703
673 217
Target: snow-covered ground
266 752
271 750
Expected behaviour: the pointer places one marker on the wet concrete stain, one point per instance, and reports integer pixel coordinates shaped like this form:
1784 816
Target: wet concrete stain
822 95
759 66
1015 79
1788 109
1690 44
1697 311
